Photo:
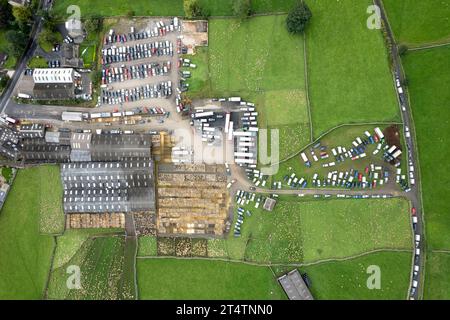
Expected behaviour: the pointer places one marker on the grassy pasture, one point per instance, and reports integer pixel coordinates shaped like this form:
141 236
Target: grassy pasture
437 279
147 246
307 230
418 23
101 262
91 8
51 213
25 253
349 77
429 80
347 280
168 7
202 279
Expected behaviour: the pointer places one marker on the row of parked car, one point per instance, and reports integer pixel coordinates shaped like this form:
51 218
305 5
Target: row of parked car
163 89
54 64
160 29
136 52
141 71
416 267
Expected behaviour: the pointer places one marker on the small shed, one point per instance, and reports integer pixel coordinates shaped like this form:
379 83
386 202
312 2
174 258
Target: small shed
269 204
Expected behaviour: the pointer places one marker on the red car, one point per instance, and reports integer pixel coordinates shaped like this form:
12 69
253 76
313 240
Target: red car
413 211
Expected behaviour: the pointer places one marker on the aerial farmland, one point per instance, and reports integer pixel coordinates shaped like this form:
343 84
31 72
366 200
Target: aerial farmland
225 150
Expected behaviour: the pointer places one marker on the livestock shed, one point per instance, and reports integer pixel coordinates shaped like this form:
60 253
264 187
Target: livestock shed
33 130
37 149
115 147
53 91
294 286
99 187
9 143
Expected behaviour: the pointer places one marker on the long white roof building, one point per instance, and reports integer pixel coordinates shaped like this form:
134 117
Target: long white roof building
53 75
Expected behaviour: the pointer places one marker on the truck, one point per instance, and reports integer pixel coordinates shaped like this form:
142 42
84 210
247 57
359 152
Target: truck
305 159
24 96
379 133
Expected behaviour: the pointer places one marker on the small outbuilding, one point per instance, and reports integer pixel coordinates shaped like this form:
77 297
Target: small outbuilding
294 286
269 204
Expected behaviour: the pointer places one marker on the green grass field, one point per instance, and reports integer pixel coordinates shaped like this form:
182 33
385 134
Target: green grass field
437 279
201 279
429 79
139 7
347 280
147 246
169 7
88 53
25 254
51 214
417 22
101 262
225 7
73 239
308 230
349 77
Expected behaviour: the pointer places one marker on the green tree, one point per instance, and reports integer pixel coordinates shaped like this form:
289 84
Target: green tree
47 38
242 8
3 81
92 25
6 15
17 42
96 78
402 49
192 9
23 15
298 18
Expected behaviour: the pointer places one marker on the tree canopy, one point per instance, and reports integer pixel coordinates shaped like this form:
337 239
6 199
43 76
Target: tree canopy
6 15
242 8
298 18
92 25
193 9
23 15
17 41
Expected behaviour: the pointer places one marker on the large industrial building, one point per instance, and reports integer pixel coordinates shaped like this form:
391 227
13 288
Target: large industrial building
96 187
54 83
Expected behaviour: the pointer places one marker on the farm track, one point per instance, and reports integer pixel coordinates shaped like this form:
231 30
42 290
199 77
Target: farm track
290 264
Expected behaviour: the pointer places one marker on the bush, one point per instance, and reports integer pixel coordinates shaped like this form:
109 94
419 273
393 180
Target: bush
3 81
193 9
242 8
6 14
298 18
92 25
402 49
17 42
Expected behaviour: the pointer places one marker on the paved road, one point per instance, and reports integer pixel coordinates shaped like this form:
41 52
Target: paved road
414 196
29 51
